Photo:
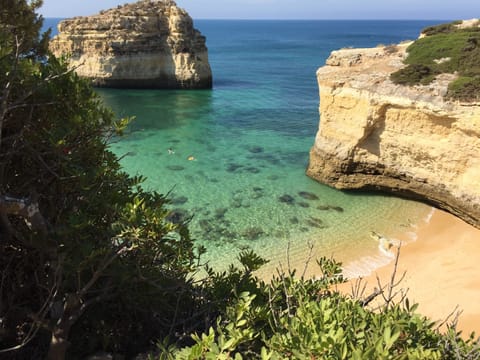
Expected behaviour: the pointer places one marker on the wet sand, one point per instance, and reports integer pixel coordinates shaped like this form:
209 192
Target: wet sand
442 271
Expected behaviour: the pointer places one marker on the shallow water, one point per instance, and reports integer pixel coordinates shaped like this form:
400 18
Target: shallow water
234 157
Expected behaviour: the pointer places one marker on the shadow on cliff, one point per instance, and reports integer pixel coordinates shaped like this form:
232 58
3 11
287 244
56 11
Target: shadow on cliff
157 62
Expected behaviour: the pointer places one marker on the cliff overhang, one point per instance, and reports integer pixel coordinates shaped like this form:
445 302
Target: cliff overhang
407 140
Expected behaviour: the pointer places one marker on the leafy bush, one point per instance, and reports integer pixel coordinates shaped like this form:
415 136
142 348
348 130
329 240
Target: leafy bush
465 89
293 318
447 49
441 28
413 74
461 47
85 252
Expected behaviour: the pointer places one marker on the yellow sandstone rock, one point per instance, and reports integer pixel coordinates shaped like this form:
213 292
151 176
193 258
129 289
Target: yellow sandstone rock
147 44
374 134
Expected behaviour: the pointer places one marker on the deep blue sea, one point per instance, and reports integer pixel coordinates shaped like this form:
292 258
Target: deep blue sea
250 136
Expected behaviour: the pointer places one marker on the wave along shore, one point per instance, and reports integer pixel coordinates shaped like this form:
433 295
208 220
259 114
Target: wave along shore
442 270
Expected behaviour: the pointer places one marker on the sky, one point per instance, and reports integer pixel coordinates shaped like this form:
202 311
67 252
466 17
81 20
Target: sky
290 9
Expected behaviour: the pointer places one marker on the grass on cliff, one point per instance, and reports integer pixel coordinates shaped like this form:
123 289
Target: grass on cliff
441 28
445 49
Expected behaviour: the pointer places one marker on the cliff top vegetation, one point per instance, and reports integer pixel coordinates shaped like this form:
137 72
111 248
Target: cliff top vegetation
445 48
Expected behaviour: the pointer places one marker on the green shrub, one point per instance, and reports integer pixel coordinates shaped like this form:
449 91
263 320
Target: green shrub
461 47
442 28
88 259
294 318
446 49
465 89
331 327
413 75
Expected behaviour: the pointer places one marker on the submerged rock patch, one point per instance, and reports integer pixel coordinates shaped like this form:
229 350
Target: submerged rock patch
253 233
330 207
179 200
287 199
308 195
175 167
255 149
252 170
178 216
220 213
315 222
233 167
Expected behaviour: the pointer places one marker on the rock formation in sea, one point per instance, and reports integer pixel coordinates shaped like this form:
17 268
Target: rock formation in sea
408 140
147 44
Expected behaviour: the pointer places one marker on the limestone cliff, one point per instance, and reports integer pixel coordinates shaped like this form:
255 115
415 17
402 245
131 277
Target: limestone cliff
147 44
374 134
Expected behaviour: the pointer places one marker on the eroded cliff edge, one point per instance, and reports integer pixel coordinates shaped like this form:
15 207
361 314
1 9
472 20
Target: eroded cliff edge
377 135
147 44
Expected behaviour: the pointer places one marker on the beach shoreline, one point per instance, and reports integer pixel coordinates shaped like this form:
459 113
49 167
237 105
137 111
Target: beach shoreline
441 269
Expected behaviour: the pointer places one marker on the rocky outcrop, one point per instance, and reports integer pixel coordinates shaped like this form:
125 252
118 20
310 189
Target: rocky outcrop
148 44
376 135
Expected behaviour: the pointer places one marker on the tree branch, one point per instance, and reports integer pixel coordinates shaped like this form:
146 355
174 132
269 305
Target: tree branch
26 208
96 275
38 319
7 89
386 291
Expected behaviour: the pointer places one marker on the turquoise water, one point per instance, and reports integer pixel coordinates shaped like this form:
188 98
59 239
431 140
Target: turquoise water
234 157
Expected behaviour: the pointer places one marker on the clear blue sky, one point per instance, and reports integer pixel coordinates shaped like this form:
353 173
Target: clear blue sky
291 9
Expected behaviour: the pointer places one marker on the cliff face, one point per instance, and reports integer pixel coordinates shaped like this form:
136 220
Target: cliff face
148 44
374 134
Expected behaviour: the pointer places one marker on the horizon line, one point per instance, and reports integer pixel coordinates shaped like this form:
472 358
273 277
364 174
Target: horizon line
280 19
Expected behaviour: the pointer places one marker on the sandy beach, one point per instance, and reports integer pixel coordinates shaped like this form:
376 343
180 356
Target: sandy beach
442 271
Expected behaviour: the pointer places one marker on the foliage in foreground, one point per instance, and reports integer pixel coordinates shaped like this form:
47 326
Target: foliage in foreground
89 260
445 49
294 318
86 255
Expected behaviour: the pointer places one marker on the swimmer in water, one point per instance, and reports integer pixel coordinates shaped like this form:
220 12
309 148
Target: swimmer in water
384 243
170 151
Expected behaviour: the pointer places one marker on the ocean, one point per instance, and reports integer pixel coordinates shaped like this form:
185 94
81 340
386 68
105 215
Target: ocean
233 158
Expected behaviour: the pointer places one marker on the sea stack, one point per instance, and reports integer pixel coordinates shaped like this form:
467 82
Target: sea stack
408 140
147 44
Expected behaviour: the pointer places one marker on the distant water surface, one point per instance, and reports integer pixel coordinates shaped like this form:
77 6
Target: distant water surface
248 141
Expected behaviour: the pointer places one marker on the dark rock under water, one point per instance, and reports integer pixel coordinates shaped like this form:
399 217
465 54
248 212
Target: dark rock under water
175 167
252 170
233 167
330 207
179 200
255 149
287 199
252 233
178 216
307 195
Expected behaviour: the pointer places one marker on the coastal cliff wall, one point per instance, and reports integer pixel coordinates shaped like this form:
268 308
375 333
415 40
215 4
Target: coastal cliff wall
148 44
377 135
